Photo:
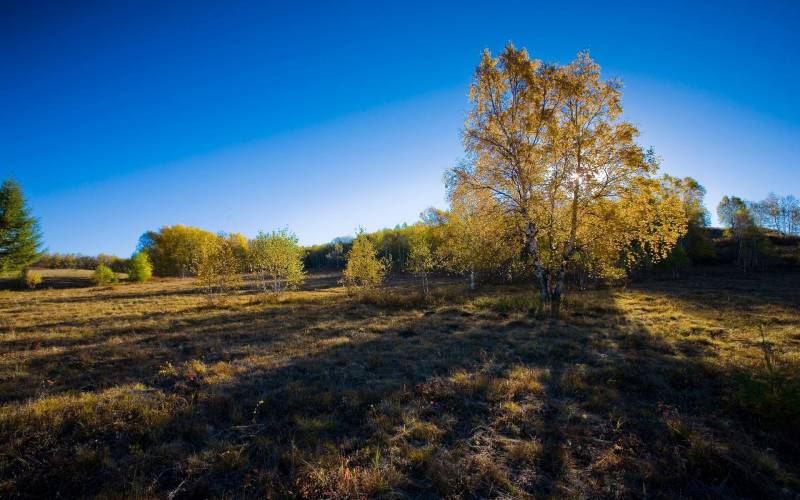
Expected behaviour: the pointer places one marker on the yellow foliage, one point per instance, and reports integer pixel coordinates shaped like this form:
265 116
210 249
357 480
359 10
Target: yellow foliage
217 267
364 269
549 155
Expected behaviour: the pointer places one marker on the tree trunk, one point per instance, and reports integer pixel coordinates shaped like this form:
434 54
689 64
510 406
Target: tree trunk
555 294
555 290
538 269
472 279
555 304
544 294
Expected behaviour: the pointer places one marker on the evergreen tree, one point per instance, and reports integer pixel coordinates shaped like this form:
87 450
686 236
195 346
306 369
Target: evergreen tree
20 236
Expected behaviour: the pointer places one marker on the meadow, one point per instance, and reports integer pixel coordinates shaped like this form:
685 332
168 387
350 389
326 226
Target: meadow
667 388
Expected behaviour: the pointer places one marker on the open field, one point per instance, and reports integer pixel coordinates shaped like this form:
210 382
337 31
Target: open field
664 389
55 278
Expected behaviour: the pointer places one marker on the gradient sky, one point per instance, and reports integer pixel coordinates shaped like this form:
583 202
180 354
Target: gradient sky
120 117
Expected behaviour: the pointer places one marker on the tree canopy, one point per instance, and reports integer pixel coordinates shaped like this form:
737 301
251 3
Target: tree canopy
177 250
277 260
549 147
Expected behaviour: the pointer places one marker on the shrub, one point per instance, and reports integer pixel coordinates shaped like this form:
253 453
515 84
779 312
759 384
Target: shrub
140 269
218 268
277 260
364 270
103 275
30 279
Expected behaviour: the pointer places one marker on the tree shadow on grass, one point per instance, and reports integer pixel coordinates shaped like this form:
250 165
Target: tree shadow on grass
730 293
55 282
345 399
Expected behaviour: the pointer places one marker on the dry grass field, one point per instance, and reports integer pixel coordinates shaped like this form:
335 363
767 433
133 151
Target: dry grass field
682 388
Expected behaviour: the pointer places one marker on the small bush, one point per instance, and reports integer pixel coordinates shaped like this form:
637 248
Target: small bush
30 279
140 270
525 451
364 269
277 260
103 275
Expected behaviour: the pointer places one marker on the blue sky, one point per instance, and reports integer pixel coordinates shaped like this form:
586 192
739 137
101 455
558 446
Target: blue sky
122 117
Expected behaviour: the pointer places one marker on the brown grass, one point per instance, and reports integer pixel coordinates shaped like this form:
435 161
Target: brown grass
666 389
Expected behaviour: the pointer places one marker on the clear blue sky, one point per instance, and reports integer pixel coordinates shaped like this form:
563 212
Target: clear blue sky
119 117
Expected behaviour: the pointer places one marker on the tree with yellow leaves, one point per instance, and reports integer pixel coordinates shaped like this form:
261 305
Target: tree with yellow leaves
421 256
476 239
217 267
549 147
364 270
277 260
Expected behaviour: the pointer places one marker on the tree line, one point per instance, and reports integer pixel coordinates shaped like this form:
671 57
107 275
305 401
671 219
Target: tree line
218 260
553 189
80 261
761 231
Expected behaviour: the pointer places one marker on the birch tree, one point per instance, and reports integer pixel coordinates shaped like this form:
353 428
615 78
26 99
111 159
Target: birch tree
217 268
477 239
549 145
277 260
364 270
421 256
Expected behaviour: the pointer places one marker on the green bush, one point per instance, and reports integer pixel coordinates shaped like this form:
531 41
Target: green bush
30 279
140 269
103 275
277 260
364 269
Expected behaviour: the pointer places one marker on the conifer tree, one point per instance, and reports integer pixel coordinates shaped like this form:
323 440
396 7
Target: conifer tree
20 236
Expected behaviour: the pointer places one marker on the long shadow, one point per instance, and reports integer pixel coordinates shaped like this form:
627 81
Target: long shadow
59 283
102 324
181 287
442 401
611 388
729 291
148 341
103 295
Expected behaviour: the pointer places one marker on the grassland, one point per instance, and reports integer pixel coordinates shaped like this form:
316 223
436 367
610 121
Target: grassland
682 388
